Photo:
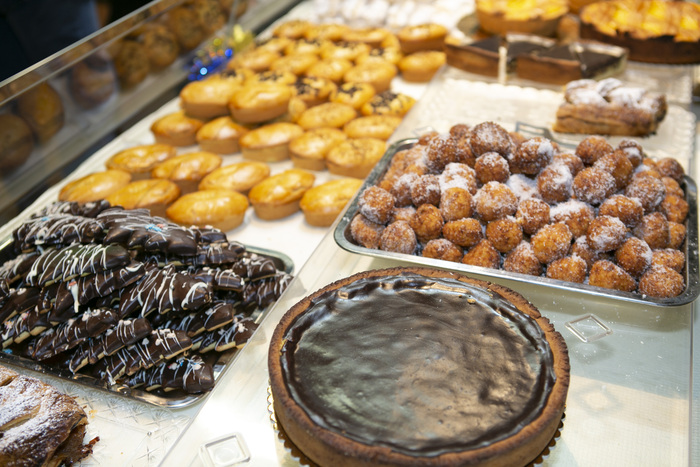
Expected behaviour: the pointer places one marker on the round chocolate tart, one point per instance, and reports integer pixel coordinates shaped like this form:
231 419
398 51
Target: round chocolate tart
416 366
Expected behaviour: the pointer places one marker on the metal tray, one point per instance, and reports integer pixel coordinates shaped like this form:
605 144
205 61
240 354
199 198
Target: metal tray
692 286
175 399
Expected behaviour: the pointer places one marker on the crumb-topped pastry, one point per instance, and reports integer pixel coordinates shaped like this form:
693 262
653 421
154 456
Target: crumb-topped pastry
608 107
385 410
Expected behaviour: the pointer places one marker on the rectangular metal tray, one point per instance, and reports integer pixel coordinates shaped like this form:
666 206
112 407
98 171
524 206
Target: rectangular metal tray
692 287
173 400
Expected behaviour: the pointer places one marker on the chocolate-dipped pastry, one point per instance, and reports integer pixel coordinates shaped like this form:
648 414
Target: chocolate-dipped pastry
264 292
125 332
162 344
219 253
136 228
15 268
17 329
104 283
89 209
220 279
164 290
66 263
189 374
58 302
67 335
18 301
233 336
208 235
56 230
254 267
212 318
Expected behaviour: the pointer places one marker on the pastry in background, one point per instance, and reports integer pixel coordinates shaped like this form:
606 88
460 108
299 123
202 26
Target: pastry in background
278 196
184 23
154 195
239 176
160 44
131 62
16 141
95 186
353 94
220 136
221 209
92 81
539 17
313 91
186 170
42 109
140 160
269 143
322 204
292 29
176 129
428 36
211 16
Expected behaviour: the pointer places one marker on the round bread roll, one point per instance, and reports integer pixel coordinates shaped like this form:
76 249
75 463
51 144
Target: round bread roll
372 126
176 129
388 103
269 143
222 209
353 94
240 177
296 63
42 109
308 151
327 115
420 67
355 157
379 74
278 196
16 141
322 204
333 70
186 170
208 98
140 160
95 186
255 103
220 136
255 60
313 91
429 36
154 195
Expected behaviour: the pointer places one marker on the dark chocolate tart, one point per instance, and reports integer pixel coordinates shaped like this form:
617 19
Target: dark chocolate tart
416 366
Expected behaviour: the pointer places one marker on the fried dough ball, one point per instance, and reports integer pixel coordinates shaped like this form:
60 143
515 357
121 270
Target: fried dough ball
633 150
670 167
670 258
593 185
572 161
647 169
607 274
401 188
455 203
425 138
634 256
460 130
523 186
458 175
554 183
577 216
441 248
661 282
494 201
365 232
426 189
569 268
592 148
491 167
628 210
532 215
676 235
376 204
460 134
483 254
442 149
504 234
618 165
672 187
465 232
551 242
674 208
532 156
490 137
522 259
654 230
398 237
582 249
650 191
427 222
517 137
606 233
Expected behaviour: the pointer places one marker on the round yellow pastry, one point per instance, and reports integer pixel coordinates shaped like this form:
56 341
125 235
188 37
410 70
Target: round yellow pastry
240 177
328 115
274 44
370 36
154 195
420 67
345 50
186 170
388 103
296 63
428 36
308 151
328 31
269 143
222 209
355 157
322 204
304 46
95 186
208 98
255 103
353 94
372 126
313 91
278 196
220 135
292 29
140 160
333 70
176 129
379 74
255 60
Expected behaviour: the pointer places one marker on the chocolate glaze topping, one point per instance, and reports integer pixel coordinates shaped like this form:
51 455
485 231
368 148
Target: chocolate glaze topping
425 366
